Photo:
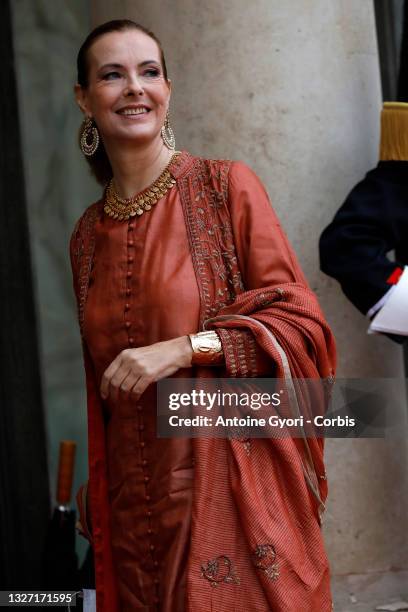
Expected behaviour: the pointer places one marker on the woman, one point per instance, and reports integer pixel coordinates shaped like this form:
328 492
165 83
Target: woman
199 249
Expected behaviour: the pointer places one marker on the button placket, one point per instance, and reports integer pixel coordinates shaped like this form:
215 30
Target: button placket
148 499
129 274
142 444
131 308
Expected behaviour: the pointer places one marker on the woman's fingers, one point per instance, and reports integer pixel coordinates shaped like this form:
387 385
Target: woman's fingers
119 382
107 375
113 377
128 383
134 370
121 376
140 387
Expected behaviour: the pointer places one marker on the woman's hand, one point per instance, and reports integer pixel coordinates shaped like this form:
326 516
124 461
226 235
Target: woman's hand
132 371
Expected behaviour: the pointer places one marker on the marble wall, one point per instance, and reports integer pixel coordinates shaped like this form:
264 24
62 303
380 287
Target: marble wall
47 35
293 89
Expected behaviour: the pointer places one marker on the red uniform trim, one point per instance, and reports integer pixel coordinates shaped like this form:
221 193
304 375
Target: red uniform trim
395 276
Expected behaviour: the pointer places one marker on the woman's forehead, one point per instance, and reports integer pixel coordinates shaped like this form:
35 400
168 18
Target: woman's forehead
123 47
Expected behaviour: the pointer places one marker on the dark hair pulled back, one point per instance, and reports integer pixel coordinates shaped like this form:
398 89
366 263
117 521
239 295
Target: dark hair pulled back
99 162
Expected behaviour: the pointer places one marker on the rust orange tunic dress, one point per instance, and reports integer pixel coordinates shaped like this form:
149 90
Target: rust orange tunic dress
205 524
142 273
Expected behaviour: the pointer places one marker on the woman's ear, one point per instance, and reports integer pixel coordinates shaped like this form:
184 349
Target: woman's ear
81 98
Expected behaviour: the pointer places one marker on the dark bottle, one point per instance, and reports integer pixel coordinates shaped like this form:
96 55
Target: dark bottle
61 561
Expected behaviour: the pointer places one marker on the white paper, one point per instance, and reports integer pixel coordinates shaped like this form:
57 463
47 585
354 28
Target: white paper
378 305
393 316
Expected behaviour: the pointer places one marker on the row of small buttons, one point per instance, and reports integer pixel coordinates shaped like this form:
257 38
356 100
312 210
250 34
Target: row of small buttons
148 499
130 244
142 444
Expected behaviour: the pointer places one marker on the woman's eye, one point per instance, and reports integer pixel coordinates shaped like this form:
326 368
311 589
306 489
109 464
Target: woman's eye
111 75
152 72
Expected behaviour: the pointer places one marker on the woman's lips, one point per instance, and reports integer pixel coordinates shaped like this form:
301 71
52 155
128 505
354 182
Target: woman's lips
134 117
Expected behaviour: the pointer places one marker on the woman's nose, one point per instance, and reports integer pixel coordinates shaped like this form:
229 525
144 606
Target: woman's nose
133 87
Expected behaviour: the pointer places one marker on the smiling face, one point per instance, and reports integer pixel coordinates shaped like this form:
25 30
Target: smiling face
127 93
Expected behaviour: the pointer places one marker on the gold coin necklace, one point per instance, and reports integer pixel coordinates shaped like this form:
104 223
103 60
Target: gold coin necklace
124 208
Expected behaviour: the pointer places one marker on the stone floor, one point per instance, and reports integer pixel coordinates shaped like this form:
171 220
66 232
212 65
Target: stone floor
386 591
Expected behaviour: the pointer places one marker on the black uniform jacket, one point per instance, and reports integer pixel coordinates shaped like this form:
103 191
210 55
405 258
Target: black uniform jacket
355 247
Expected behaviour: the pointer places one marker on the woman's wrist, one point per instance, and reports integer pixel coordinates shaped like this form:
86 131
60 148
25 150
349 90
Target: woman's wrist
206 349
184 351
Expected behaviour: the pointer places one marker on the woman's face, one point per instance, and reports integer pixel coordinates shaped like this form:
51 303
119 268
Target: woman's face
127 93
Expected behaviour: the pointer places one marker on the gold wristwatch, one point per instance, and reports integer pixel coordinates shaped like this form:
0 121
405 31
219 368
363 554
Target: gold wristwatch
207 349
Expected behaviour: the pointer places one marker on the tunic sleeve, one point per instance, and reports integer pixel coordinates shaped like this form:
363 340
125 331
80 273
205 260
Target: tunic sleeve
265 259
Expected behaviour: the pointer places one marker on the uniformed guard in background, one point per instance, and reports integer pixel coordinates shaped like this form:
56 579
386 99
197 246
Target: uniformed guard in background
356 247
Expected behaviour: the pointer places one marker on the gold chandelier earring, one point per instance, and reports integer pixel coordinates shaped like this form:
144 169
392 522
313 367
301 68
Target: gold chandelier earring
89 140
167 134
